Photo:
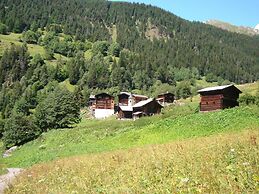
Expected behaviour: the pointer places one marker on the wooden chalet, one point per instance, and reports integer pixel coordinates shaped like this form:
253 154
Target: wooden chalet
165 98
129 99
125 112
103 105
220 97
147 107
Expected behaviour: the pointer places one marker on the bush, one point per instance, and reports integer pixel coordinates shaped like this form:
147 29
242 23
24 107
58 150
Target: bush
18 130
30 37
248 99
183 90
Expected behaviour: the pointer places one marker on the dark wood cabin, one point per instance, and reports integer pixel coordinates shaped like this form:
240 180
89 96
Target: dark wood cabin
147 107
104 101
165 98
128 99
219 97
125 112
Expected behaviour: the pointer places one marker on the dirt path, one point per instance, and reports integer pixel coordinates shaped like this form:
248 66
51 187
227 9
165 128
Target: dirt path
6 179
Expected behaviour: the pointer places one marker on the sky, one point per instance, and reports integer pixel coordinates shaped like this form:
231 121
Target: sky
237 12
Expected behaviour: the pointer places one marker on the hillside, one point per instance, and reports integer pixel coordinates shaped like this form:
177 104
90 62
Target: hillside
232 28
169 41
226 140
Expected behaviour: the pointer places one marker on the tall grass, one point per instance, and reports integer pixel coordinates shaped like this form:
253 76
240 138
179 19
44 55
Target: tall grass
217 164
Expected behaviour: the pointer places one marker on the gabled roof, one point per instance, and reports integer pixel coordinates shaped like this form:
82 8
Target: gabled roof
127 93
105 94
144 102
138 95
126 108
135 95
165 93
218 88
92 96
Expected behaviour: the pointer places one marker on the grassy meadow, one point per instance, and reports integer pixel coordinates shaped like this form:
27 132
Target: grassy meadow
223 163
95 136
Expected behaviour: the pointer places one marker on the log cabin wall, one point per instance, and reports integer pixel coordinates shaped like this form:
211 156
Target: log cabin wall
211 102
123 99
104 101
148 109
166 98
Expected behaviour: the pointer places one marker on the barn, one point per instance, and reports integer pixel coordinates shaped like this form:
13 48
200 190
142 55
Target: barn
129 99
103 105
165 98
147 107
219 97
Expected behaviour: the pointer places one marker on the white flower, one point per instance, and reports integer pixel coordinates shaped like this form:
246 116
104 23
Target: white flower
185 180
246 164
232 150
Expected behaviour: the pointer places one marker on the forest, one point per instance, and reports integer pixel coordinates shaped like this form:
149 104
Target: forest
105 46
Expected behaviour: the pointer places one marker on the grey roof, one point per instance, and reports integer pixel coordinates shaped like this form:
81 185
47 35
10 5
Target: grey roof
143 102
137 113
126 108
136 95
216 88
92 96
127 93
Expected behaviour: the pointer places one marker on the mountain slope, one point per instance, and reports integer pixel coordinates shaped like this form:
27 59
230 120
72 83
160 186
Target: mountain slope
167 39
232 28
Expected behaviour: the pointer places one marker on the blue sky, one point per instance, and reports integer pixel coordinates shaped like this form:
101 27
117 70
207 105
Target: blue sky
237 12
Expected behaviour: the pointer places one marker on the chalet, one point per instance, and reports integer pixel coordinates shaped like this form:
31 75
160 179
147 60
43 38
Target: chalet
126 102
125 112
103 106
165 98
129 99
220 97
147 107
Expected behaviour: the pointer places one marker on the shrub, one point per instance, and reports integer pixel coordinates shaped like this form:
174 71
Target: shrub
18 130
248 99
29 37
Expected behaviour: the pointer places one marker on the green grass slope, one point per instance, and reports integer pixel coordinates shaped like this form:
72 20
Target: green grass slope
226 163
93 136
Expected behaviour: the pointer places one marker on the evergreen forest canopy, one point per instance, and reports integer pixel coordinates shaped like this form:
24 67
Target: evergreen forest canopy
176 42
110 46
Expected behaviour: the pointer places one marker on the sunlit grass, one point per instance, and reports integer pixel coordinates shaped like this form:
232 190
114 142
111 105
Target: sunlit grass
93 136
226 163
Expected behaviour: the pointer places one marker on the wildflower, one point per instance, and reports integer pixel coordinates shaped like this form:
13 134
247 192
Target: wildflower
246 164
185 180
232 150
